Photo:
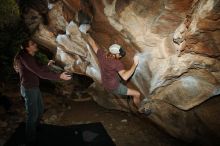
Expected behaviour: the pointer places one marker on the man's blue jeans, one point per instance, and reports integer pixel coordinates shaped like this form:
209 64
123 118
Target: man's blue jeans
34 108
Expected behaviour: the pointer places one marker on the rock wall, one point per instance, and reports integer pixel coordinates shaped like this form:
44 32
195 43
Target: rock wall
178 44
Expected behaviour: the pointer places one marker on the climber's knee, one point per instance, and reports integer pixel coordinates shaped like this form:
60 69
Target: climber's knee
133 92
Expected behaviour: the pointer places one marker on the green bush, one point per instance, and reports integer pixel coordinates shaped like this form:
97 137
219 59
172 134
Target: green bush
12 33
42 58
9 13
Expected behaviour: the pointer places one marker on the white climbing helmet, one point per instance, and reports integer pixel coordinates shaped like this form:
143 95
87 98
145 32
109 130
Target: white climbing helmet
114 49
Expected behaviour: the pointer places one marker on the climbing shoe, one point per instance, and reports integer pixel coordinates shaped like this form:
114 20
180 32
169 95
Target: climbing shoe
147 112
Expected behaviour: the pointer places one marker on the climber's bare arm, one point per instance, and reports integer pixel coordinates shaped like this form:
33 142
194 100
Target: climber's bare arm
92 43
126 74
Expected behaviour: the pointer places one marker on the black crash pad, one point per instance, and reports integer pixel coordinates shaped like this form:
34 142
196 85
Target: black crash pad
93 134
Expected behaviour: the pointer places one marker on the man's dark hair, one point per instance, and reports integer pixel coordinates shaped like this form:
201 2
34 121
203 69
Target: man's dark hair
25 44
122 52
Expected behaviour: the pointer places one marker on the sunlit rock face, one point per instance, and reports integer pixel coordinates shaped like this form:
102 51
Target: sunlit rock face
179 47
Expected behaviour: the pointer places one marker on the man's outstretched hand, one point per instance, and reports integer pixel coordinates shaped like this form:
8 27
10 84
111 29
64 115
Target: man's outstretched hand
65 76
51 62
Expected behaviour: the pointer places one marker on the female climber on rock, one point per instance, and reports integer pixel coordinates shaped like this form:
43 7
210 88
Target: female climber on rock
111 67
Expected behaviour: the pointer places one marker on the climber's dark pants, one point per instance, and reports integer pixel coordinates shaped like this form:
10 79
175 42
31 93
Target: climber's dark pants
34 109
121 90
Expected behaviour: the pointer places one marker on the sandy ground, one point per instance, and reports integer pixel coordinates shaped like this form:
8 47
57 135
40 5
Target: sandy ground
125 129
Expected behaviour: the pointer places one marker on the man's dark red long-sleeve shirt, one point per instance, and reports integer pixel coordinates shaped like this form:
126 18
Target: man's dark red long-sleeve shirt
30 71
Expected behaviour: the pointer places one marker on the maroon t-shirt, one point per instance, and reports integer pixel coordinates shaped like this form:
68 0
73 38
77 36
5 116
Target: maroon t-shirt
109 70
30 71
